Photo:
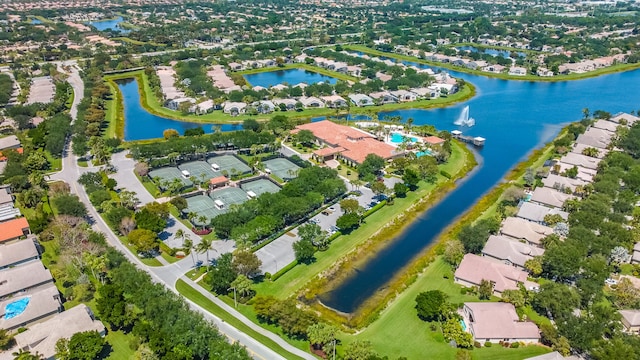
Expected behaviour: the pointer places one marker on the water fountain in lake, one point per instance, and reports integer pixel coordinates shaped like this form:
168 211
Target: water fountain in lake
464 119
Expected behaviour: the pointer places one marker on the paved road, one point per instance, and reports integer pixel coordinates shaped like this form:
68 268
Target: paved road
166 275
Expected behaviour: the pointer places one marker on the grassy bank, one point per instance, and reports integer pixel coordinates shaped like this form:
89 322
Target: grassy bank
190 293
153 105
115 113
595 73
307 67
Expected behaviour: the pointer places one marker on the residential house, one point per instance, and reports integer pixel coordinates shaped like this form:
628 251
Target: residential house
426 93
544 72
17 253
530 232
536 213
361 100
561 183
510 251
518 71
580 160
496 322
354 70
234 108
383 97
9 142
625 118
584 174
630 321
473 269
383 77
174 104
635 258
433 140
41 338
334 101
204 107
549 197
579 148
14 229
290 104
265 106
597 138
605 125
494 68
477 64
42 304
6 198
404 95
311 102
23 278
236 66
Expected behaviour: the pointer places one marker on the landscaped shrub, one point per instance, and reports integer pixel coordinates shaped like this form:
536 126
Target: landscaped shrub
284 270
167 249
201 231
445 174
488 344
375 208
515 345
477 344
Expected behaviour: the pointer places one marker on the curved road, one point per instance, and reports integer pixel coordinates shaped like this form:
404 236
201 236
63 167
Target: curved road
166 275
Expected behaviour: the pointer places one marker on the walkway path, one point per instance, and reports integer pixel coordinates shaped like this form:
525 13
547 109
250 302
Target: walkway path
166 275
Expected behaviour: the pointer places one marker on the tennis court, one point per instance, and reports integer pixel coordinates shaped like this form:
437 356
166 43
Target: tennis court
229 163
169 174
203 206
228 196
282 168
260 187
200 169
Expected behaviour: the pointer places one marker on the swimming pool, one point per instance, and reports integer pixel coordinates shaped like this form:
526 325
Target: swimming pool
423 153
463 325
15 308
397 138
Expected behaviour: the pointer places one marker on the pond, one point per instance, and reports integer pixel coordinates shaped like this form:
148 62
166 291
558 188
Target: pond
110 24
291 77
35 21
493 52
141 125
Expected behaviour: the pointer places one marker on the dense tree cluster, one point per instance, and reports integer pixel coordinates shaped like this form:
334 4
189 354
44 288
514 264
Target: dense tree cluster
268 213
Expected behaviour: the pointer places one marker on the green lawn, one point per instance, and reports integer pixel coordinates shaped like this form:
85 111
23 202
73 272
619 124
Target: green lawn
112 111
120 348
170 259
193 295
399 321
55 162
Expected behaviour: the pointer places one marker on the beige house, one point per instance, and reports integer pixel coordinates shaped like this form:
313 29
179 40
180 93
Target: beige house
496 321
530 232
631 321
473 269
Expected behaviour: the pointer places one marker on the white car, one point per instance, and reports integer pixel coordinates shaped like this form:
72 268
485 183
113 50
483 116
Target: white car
611 282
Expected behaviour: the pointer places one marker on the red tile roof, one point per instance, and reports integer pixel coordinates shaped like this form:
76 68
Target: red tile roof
328 151
219 180
13 229
3 157
433 140
357 144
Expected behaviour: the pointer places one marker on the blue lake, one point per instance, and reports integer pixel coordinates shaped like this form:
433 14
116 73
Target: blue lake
493 52
112 24
34 21
291 77
514 116
141 125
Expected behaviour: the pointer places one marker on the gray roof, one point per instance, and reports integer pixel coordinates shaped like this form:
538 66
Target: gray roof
558 182
23 277
631 316
8 212
605 125
549 196
530 231
42 303
5 196
580 160
595 137
509 250
42 337
17 252
630 118
535 212
550 356
9 142
578 148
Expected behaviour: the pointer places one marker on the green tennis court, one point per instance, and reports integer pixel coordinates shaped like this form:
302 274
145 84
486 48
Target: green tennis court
229 163
203 206
169 174
228 196
260 187
282 168
200 169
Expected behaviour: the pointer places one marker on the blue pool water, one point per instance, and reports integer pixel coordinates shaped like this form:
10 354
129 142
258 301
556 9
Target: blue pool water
464 326
291 77
35 21
423 153
397 138
15 308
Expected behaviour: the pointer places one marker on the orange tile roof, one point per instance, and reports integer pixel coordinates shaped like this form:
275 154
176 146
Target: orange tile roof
219 180
4 158
328 151
357 144
433 140
13 229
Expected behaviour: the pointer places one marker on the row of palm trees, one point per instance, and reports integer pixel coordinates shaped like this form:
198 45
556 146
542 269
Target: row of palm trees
202 248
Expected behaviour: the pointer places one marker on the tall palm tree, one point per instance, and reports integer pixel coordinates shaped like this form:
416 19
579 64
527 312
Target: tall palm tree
188 244
204 246
179 234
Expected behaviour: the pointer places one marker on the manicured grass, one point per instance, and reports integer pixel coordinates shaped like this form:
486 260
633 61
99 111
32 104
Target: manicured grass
150 103
120 348
190 293
598 72
112 110
400 321
294 280
55 162
151 187
170 259
83 163
135 42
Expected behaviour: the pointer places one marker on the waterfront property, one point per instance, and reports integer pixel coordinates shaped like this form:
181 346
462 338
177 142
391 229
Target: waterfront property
473 269
510 251
523 230
497 322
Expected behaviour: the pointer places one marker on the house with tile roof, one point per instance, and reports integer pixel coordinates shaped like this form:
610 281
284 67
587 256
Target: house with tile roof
520 229
18 252
14 229
510 251
550 197
536 213
497 321
630 321
473 269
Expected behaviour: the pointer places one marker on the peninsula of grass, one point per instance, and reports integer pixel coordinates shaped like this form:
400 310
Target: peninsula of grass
603 71
114 115
309 278
154 106
193 295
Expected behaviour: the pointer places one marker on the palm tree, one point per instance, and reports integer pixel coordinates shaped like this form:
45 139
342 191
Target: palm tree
203 220
409 124
26 355
179 234
188 244
204 246
192 217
